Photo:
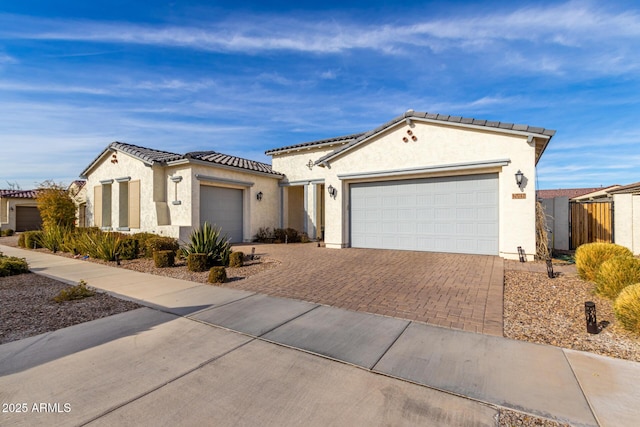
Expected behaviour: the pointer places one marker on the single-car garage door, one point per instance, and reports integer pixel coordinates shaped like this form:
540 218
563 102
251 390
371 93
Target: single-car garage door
222 207
28 218
449 214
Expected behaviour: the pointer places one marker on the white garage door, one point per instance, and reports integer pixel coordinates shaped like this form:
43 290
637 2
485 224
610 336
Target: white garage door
450 214
222 207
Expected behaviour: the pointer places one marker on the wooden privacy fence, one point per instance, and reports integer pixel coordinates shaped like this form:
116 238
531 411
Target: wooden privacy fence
590 222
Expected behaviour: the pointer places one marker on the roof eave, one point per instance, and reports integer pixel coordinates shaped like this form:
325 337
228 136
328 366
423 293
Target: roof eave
227 167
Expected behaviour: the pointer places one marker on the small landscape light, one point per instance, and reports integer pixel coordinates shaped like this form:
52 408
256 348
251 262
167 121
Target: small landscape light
590 314
550 268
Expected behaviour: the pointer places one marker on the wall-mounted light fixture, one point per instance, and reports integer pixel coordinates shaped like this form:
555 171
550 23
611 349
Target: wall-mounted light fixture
519 177
11 208
333 192
259 196
310 164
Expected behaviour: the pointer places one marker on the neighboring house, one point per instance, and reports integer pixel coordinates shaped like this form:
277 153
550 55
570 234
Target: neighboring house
421 181
626 200
19 210
132 188
78 192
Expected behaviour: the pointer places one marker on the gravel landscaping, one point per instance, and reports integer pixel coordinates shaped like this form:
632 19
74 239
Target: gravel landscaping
27 307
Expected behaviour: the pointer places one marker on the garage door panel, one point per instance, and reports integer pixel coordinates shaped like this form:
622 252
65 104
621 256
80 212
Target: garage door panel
223 207
447 214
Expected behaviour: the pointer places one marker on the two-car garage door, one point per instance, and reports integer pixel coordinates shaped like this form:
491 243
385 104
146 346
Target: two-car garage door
450 214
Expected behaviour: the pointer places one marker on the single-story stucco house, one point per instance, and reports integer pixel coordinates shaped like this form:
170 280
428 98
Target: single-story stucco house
421 181
19 210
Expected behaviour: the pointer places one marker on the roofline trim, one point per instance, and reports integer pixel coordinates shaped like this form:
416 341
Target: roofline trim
228 167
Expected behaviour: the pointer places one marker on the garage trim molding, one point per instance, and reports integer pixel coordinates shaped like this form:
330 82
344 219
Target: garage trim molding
223 180
439 168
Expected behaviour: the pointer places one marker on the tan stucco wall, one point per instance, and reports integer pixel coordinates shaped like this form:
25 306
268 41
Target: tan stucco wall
436 145
627 221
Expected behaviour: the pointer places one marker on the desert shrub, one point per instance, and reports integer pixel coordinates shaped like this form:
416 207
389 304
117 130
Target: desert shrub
163 259
84 241
159 243
21 241
627 308
9 232
217 275
292 235
615 274
236 259
128 247
197 262
53 237
263 235
209 240
10 265
279 235
55 205
304 238
142 239
99 244
32 239
590 256
79 291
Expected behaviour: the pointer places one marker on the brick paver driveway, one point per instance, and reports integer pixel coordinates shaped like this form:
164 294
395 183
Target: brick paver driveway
451 290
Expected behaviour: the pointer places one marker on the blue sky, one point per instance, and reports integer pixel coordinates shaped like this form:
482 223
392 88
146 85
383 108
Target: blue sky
186 76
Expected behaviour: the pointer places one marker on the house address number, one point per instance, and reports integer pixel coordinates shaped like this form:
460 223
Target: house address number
519 195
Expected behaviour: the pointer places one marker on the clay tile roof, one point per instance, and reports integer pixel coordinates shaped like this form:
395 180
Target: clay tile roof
336 140
148 155
233 161
19 194
566 192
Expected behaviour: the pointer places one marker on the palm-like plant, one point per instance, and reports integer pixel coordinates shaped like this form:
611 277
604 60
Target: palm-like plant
208 240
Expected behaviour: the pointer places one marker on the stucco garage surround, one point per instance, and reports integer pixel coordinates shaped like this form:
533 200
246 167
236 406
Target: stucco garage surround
456 214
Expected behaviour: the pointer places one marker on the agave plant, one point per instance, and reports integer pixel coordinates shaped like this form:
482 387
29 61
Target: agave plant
208 240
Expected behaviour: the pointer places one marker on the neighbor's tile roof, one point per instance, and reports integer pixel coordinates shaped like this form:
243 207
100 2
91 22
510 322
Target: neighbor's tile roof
19 194
566 192
227 160
151 157
336 140
631 188
148 155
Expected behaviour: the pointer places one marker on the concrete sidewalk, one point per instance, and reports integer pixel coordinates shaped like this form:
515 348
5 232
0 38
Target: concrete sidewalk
209 354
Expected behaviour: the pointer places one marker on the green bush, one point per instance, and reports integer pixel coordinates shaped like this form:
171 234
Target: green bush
236 259
615 274
197 262
7 232
159 243
209 240
627 308
163 259
21 241
10 265
217 275
128 247
263 235
79 291
142 239
32 239
590 256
